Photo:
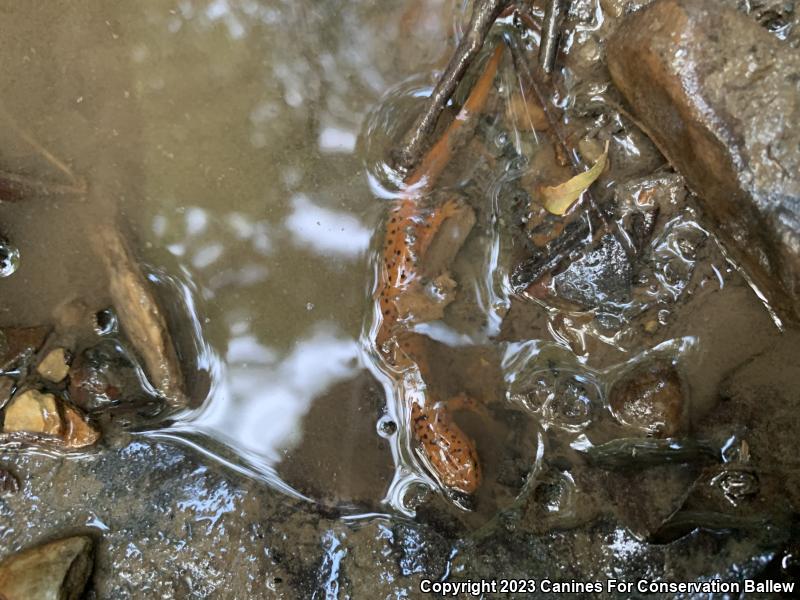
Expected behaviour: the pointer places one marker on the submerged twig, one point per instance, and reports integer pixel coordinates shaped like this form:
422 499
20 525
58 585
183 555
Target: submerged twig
528 81
31 141
483 16
436 159
14 186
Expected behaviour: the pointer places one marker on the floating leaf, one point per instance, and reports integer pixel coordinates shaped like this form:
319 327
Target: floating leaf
557 199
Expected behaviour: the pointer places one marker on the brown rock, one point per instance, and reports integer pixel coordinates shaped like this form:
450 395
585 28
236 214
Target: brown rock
720 96
55 571
17 343
55 365
140 315
103 376
33 412
651 399
77 432
43 414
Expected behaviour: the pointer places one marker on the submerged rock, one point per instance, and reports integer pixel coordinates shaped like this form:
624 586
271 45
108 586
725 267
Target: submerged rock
141 316
55 365
600 278
55 571
103 376
719 95
651 399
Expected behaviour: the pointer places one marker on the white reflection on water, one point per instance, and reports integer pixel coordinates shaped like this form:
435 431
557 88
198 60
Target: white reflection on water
334 139
260 403
326 231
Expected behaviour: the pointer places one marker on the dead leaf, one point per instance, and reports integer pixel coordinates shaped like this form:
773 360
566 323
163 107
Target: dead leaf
558 199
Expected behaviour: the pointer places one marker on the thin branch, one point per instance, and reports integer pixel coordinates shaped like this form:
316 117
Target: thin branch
549 45
14 186
413 146
555 120
31 141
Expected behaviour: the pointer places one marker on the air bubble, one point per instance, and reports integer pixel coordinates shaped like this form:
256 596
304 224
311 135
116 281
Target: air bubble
105 321
9 258
387 427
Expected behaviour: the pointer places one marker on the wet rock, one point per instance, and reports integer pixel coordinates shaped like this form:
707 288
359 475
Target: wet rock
600 279
77 433
33 412
8 483
718 95
644 202
19 344
37 413
651 399
55 365
104 376
6 389
55 571
140 315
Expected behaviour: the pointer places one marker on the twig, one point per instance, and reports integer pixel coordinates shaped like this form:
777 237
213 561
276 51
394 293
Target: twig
549 44
436 159
483 16
14 186
527 81
49 156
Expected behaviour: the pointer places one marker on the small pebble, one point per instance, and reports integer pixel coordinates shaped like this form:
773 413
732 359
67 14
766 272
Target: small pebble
55 366
651 399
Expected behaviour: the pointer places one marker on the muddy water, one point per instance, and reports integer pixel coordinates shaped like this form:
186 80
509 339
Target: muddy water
227 135
240 142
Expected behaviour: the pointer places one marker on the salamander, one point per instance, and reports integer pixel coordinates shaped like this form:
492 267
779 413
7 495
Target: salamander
408 293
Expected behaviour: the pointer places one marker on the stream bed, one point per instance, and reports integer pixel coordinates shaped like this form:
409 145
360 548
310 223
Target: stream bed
637 398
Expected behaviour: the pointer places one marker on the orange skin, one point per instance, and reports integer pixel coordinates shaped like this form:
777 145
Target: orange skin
451 452
410 229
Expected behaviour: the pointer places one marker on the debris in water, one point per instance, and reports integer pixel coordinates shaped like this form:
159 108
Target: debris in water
558 199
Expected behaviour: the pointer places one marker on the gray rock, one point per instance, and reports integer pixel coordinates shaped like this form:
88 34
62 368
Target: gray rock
720 96
600 279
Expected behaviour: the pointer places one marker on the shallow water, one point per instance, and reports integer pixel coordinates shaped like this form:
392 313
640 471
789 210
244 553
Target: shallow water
240 141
